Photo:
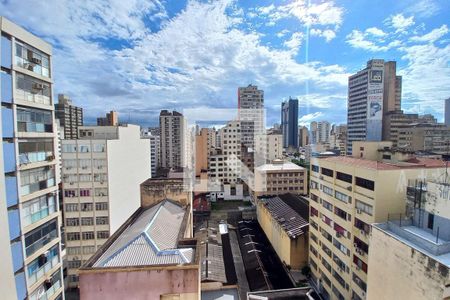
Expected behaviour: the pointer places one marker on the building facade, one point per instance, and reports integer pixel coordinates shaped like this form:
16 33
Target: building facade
269 146
101 173
289 123
347 195
251 113
447 112
111 119
171 139
30 216
70 116
303 136
153 138
425 137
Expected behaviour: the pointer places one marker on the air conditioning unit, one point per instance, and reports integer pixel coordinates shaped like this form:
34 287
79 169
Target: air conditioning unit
358 211
363 232
349 188
38 86
36 60
50 157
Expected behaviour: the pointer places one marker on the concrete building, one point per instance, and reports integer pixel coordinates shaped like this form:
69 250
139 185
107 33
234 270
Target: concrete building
320 132
289 123
372 93
347 195
303 136
151 256
447 112
70 116
153 138
101 170
251 113
111 119
338 138
280 177
29 212
284 220
409 256
171 139
425 137
270 146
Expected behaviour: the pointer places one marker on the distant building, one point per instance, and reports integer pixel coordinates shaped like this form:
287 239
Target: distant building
151 256
171 139
409 254
447 112
70 116
303 136
285 221
111 119
251 113
280 177
153 138
425 137
270 146
320 132
101 174
289 123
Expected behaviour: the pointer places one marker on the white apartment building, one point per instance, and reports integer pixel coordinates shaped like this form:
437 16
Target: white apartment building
251 113
172 139
101 173
30 242
270 146
154 149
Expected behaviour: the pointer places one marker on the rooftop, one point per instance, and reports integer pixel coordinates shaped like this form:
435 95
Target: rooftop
279 165
149 238
289 219
416 162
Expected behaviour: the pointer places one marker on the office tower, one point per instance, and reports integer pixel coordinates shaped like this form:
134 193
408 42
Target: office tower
251 113
372 93
409 253
70 116
314 134
101 172
303 136
348 195
289 123
338 138
111 119
320 132
171 139
447 112
29 214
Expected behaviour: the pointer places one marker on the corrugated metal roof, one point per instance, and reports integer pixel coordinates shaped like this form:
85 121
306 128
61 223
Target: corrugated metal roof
150 240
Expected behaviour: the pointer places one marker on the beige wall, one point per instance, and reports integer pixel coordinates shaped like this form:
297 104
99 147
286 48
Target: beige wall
293 181
201 151
397 269
155 190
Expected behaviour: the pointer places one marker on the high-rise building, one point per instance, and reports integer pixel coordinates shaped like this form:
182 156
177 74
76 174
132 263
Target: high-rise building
102 172
372 93
320 132
111 119
30 242
425 137
153 138
347 196
171 139
447 112
303 136
70 116
269 146
251 113
289 123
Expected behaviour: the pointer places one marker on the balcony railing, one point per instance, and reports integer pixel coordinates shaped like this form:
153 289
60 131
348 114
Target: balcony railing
47 294
30 97
43 270
41 242
31 157
39 215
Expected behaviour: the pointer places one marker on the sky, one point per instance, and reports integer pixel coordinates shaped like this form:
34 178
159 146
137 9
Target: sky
138 57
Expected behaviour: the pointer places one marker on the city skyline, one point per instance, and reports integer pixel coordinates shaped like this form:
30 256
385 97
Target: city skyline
153 55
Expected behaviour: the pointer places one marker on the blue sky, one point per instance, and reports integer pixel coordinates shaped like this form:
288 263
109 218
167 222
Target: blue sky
138 57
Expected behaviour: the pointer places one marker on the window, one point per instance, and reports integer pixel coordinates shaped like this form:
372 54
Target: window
88 249
72 207
99 192
35 150
344 177
87 221
314 185
340 213
36 179
85 178
102 234
99 147
70 193
327 172
314 212
86 206
88 235
38 208
362 226
101 206
84 163
359 263
430 221
341 247
73 236
34 120
361 245
40 236
84 148
365 183
315 168
359 282
32 89
73 264
103 177
101 220
72 222
343 197
368 209
327 190
29 58
69 148
73 250
327 205
85 192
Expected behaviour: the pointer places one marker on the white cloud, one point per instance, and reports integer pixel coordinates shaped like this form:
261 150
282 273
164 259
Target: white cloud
423 8
375 31
308 118
282 33
432 36
400 23
327 33
358 39
294 42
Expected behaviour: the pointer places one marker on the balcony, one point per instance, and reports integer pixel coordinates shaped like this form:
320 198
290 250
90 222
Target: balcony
32 157
46 294
39 215
39 273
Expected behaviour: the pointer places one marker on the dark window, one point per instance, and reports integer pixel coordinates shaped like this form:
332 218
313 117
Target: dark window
365 183
344 177
327 172
315 168
386 156
430 221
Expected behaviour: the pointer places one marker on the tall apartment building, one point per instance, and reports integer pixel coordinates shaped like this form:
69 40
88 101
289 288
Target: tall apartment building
425 137
409 254
153 137
447 112
70 116
251 113
347 195
269 146
30 217
320 132
111 119
338 138
372 92
303 136
289 123
171 139
102 172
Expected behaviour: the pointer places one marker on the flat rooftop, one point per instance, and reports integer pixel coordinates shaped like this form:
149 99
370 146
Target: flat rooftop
280 166
416 162
149 238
